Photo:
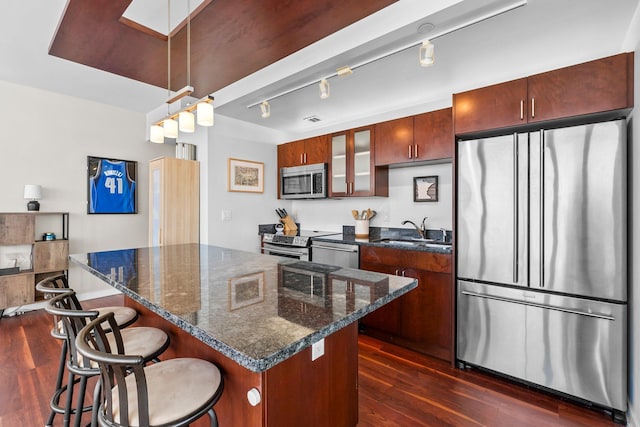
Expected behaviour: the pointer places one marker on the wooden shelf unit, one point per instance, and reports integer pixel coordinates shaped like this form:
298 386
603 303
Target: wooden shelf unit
46 257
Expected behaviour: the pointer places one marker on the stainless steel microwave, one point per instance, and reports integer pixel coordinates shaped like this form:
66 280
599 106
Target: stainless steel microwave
304 182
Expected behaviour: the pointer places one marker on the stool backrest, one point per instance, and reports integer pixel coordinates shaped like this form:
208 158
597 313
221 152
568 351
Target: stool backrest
68 309
92 343
50 287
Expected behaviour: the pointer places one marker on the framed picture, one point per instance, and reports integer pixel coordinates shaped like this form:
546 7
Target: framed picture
425 189
246 176
111 186
246 290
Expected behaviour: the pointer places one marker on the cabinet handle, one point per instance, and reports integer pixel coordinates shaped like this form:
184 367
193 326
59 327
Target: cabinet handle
409 150
415 151
522 109
397 274
305 158
533 107
302 158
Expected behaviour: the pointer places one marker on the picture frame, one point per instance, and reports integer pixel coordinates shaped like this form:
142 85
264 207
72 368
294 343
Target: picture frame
246 290
245 176
425 188
111 186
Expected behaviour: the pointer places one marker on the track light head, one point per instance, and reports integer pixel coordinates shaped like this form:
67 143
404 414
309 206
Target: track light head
324 89
426 54
266 109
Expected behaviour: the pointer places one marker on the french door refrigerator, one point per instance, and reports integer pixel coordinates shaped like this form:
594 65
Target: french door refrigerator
541 259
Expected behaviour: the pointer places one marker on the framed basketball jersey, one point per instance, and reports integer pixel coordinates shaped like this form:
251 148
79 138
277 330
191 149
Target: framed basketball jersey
111 187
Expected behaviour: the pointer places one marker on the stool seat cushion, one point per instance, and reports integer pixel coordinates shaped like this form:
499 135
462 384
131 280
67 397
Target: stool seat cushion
176 387
123 315
141 341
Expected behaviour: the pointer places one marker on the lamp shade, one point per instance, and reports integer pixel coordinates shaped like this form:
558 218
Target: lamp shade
170 128
156 134
32 192
204 113
186 122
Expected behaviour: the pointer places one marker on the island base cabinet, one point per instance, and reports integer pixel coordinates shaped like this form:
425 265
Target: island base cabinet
295 392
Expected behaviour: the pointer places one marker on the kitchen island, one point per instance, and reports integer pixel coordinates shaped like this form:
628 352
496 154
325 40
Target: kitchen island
282 331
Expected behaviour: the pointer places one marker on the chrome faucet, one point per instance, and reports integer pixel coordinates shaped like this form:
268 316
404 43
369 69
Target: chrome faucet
421 230
444 234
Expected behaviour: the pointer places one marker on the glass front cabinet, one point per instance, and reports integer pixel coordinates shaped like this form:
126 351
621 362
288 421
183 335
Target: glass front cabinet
352 171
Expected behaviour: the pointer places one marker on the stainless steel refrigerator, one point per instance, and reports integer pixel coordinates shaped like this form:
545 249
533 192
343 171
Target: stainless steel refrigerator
542 259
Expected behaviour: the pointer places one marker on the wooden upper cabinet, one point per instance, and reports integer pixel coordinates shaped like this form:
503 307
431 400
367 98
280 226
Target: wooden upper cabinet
592 87
491 107
433 135
602 85
304 152
394 141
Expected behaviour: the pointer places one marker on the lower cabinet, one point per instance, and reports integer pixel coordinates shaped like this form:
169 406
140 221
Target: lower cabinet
421 320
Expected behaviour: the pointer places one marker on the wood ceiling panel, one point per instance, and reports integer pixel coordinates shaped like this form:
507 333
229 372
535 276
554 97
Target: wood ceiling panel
230 39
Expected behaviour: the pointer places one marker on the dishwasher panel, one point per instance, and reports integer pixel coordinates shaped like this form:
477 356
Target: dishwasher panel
338 254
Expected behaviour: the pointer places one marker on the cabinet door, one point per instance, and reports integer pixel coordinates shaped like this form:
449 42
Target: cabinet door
601 85
433 135
394 141
16 289
316 150
50 256
338 167
291 154
386 319
362 164
17 229
427 313
491 107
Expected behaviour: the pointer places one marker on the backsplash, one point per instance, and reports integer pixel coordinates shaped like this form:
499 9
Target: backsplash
332 214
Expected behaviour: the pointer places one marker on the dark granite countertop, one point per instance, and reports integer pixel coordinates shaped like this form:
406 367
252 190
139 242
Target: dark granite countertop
256 309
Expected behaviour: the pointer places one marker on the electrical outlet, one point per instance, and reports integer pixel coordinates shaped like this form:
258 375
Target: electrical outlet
317 349
225 215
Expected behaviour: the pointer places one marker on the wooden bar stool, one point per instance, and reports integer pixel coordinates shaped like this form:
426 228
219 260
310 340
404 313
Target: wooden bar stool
174 392
56 285
146 341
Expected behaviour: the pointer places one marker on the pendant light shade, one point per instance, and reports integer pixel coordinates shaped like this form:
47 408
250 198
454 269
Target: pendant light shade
266 109
170 128
204 114
186 121
427 57
156 134
324 89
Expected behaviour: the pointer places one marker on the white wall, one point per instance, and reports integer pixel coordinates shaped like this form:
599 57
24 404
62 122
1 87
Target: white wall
46 140
332 214
230 138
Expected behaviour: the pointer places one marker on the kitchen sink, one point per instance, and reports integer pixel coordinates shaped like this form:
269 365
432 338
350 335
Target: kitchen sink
430 243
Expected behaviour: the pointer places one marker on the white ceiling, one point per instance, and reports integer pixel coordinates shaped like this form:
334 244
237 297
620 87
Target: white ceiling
542 35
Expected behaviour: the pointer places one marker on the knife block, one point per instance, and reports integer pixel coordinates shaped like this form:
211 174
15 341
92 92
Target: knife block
289 224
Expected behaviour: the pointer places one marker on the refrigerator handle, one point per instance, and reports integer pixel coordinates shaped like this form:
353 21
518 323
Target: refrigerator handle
515 208
542 208
543 306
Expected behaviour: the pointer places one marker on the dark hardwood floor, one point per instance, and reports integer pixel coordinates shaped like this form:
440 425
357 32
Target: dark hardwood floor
397 387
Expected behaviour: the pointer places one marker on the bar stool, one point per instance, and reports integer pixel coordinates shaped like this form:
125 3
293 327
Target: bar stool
174 392
56 285
146 341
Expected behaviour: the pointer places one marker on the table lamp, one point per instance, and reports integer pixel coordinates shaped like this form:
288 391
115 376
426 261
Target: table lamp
33 193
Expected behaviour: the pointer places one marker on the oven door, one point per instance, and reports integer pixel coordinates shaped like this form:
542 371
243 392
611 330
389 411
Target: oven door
286 251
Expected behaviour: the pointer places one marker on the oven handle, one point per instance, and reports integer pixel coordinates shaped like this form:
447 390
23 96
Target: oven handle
281 251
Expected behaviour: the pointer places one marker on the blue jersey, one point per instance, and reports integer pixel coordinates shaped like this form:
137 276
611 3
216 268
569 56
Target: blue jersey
111 189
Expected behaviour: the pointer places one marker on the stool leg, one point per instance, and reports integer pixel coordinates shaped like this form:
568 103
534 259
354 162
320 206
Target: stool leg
80 403
61 365
213 419
96 404
67 409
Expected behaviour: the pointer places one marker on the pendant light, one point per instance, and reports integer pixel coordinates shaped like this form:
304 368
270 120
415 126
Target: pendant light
186 122
204 114
170 128
156 134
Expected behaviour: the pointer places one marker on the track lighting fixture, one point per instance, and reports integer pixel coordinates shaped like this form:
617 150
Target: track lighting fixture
324 89
266 109
426 54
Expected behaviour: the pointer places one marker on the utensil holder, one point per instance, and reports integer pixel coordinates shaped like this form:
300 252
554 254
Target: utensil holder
362 228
